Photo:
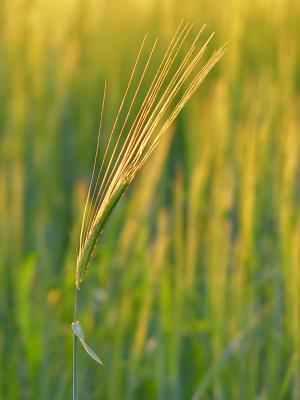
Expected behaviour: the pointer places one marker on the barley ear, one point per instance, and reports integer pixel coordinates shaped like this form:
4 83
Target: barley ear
129 146
85 256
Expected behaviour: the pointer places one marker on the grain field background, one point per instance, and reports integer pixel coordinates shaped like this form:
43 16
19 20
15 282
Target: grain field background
193 292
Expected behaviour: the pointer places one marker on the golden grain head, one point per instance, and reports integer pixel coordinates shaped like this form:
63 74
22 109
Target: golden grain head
137 130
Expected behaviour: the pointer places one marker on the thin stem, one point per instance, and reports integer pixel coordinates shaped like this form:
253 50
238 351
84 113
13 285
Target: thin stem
75 353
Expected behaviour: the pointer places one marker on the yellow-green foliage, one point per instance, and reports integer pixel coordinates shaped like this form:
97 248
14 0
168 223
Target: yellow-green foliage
195 290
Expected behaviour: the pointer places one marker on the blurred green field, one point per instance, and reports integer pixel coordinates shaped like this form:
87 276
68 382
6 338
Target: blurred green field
194 290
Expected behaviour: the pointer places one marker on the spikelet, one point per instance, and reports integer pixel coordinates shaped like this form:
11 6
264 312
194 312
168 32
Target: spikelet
128 149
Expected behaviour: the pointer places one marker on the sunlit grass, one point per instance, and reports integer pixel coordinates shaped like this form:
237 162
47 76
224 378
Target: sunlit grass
195 290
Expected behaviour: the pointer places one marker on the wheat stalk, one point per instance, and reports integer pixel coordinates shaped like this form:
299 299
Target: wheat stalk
128 147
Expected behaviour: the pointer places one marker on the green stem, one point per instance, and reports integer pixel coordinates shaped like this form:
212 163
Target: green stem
75 353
